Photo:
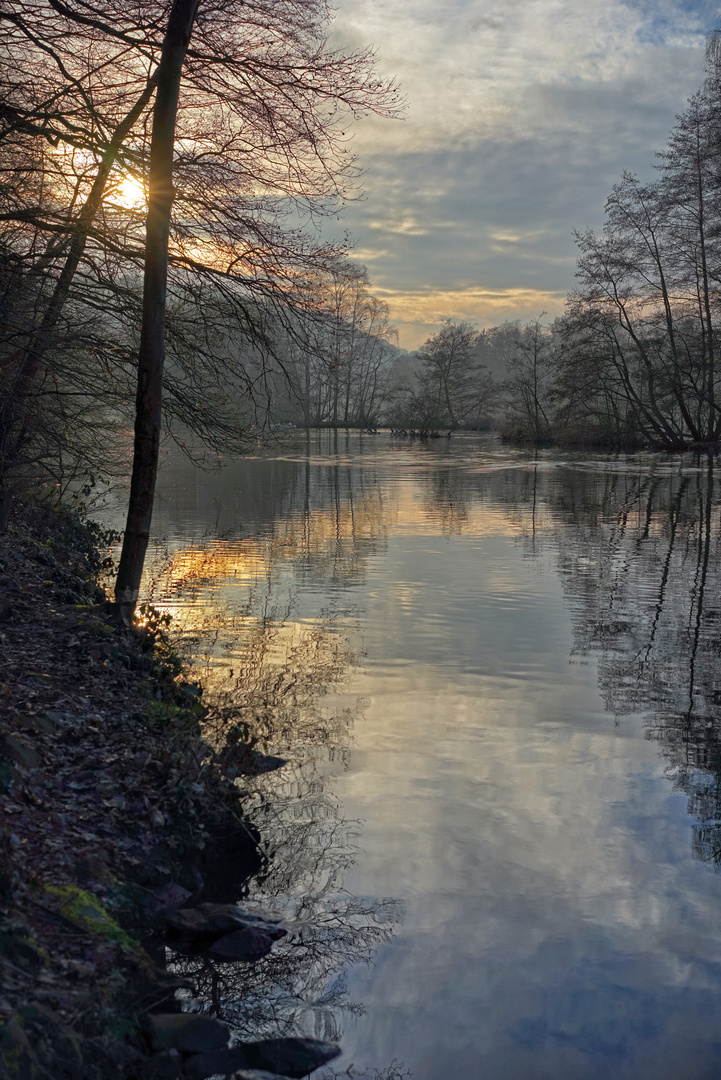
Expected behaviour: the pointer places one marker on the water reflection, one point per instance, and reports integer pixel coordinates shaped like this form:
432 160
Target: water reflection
463 648
268 669
643 573
274 693
639 555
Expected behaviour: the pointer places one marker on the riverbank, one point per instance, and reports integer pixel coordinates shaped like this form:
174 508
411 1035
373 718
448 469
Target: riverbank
115 812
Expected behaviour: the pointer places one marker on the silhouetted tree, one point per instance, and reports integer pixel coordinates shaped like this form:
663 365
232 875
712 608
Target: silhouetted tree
645 313
452 388
451 373
336 366
529 382
262 105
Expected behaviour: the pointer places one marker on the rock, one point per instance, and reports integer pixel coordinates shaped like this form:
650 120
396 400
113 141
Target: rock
214 1062
263 763
292 1057
207 922
247 944
165 899
198 923
168 980
240 761
267 921
189 1033
167 1065
255 1074
193 690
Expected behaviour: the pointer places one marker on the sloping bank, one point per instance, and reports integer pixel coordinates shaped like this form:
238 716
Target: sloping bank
120 831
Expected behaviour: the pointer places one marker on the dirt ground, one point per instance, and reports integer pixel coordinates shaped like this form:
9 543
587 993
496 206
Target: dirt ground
113 810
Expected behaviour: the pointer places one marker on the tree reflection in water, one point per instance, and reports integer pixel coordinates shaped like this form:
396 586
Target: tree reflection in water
283 673
658 632
638 545
640 558
267 676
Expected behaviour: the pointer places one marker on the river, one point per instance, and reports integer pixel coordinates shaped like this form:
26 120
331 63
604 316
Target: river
495 676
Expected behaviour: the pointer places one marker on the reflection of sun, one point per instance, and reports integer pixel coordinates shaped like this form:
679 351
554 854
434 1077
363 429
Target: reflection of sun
130 193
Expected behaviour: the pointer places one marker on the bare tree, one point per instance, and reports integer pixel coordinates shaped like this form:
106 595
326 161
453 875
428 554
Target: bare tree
263 103
529 383
149 399
646 306
337 359
454 386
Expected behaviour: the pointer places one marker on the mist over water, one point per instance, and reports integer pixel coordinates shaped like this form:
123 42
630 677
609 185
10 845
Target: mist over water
495 675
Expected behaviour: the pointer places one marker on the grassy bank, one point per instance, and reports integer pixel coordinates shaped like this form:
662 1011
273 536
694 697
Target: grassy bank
113 811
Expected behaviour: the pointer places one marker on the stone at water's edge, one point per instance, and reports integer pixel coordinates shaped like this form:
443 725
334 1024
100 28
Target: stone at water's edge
212 1062
187 1032
255 1074
247 944
263 763
238 760
249 939
166 1065
199 927
291 1058
267 921
163 900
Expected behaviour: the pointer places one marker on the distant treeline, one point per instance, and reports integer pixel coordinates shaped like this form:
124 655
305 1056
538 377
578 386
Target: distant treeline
635 357
634 360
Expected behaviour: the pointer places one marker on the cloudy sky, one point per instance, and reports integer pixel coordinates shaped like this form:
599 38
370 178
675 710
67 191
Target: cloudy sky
521 115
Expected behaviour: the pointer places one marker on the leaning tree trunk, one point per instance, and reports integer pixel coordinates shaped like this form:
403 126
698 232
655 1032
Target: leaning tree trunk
151 358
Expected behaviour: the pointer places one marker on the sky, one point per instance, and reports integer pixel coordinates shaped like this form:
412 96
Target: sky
521 116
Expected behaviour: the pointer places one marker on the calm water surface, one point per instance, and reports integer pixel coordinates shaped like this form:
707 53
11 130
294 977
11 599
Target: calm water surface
496 677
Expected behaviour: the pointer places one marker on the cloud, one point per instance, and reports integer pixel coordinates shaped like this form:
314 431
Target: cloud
418 314
430 306
467 66
521 116
406 225
502 237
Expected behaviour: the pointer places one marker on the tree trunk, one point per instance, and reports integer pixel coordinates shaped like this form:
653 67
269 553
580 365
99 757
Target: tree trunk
307 404
151 358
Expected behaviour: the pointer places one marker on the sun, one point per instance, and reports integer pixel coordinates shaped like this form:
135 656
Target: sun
130 193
